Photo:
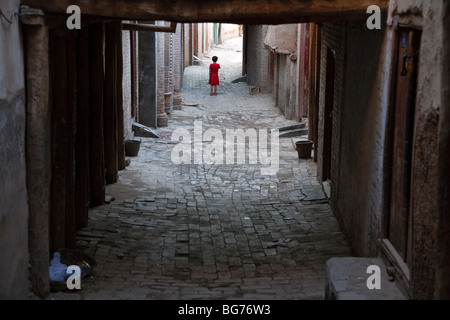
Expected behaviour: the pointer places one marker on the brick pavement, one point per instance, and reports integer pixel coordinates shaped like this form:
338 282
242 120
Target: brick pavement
204 231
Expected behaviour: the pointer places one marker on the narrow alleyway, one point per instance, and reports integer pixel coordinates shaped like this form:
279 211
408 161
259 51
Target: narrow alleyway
200 231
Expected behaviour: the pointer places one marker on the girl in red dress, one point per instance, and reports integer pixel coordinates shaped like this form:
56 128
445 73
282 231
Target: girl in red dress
214 75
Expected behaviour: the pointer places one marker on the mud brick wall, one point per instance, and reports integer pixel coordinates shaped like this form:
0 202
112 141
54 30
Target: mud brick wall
13 190
258 58
427 15
333 37
359 116
360 153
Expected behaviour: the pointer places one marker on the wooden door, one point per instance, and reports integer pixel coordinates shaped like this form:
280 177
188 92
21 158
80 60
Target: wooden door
402 122
328 115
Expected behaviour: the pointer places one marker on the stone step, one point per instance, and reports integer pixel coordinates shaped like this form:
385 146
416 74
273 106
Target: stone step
293 133
347 279
143 131
300 125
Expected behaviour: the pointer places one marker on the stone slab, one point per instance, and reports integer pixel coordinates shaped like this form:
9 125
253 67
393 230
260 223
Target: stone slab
346 279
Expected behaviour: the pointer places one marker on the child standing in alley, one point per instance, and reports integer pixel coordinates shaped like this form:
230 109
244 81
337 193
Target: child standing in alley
214 75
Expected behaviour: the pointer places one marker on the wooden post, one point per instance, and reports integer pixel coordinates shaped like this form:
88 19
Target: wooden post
110 105
119 97
82 136
70 105
38 151
59 139
96 146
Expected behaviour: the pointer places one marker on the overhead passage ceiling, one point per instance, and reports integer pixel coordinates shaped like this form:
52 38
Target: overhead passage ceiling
230 11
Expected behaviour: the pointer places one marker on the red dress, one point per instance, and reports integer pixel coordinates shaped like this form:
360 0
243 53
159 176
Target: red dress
214 76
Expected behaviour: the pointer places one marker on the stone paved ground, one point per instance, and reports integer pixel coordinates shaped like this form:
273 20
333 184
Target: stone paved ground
202 231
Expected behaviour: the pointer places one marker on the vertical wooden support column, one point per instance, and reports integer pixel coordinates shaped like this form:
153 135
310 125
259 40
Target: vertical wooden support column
59 138
82 188
110 105
119 97
38 151
71 101
63 88
96 147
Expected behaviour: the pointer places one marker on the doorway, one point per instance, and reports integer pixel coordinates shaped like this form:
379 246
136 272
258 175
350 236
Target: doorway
328 115
400 138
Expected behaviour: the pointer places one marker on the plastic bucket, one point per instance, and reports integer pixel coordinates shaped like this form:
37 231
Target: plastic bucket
132 147
304 149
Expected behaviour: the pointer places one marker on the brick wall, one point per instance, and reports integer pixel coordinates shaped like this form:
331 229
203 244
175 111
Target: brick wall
168 70
177 66
162 118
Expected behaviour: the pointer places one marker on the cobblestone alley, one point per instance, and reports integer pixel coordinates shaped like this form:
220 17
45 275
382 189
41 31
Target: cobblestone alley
201 231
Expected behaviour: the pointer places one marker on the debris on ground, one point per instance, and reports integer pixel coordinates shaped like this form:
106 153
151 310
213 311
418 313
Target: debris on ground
281 243
189 104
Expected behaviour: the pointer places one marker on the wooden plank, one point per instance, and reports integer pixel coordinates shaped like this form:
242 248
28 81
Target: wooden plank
172 28
396 260
82 136
96 145
235 11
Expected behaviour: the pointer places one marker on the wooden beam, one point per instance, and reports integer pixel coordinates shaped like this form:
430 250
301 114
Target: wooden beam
172 28
231 11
